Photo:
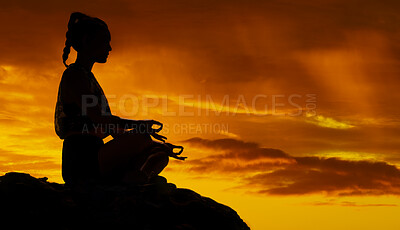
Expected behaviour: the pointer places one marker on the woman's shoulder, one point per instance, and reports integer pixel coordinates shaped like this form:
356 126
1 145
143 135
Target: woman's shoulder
74 78
74 73
74 69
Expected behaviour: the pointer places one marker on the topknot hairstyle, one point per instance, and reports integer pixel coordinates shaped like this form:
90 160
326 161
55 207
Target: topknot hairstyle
80 25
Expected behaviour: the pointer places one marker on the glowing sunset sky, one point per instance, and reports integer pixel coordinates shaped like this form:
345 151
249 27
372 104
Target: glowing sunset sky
288 110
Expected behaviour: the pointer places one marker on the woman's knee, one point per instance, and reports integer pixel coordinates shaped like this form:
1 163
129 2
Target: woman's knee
144 137
136 141
119 152
160 157
156 161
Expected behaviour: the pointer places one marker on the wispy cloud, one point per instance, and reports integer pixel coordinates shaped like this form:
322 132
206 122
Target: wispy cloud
38 165
327 122
274 172
351 204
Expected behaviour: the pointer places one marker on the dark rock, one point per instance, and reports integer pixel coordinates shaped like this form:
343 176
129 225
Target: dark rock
28 202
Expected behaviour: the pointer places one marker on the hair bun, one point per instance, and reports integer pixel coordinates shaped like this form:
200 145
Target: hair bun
75 18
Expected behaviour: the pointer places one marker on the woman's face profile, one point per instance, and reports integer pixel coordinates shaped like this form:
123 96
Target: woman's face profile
98 47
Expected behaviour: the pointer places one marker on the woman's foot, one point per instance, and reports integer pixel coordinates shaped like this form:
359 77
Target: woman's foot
155 163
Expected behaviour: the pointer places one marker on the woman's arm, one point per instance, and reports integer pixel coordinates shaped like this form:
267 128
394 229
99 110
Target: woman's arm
141 126
76 90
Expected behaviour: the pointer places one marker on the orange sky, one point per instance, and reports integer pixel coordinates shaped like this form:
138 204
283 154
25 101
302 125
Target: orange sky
288 109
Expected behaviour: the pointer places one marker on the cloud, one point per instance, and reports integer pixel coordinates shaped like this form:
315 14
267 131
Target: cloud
11 161
331 176
239 149
352 204
274 172
328 122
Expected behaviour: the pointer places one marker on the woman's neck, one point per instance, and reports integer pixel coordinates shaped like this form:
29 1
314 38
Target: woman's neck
84 62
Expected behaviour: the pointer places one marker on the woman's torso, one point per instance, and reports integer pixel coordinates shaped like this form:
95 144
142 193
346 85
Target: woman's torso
76 85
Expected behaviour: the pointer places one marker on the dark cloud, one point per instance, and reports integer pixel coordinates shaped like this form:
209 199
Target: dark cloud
281 174
331 176
238 149
238 41
223 43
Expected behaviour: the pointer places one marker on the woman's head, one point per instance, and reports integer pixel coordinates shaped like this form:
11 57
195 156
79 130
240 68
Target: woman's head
88 36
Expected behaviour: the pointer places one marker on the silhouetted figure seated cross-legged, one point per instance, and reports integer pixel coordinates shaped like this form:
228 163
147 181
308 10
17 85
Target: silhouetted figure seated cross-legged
83 118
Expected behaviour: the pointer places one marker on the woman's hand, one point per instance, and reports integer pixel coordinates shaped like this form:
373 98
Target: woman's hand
146 126
159 137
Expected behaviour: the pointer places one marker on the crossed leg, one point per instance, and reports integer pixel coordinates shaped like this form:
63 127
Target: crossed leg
130 155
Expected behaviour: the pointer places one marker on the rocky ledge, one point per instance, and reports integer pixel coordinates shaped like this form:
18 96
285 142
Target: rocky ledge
34 203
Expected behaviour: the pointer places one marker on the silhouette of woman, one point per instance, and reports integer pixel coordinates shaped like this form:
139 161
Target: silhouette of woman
83 118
